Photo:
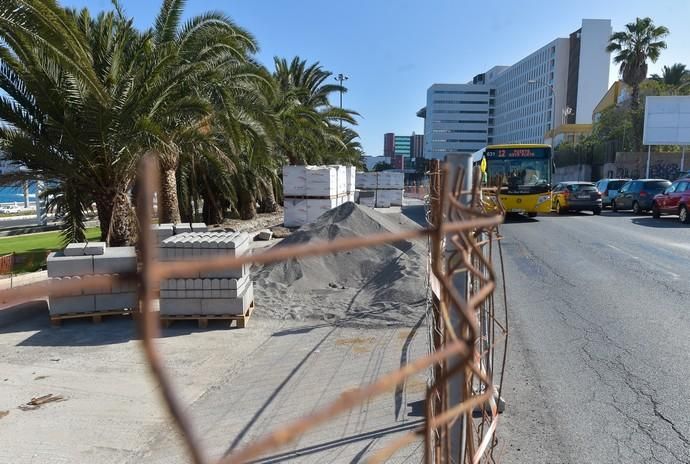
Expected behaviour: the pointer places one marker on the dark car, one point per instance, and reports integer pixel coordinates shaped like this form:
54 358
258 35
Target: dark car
576 196
674 200
638 195
609 189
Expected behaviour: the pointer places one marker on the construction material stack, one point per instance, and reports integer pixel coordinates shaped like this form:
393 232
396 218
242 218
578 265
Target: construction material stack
82 261
226 294
310 191
380 189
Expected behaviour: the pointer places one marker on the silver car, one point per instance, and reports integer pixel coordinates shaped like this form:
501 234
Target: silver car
609 189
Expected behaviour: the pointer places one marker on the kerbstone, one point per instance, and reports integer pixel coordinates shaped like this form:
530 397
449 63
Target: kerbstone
72 304
180 307
94 248
118 260
113 301
60 265
74 249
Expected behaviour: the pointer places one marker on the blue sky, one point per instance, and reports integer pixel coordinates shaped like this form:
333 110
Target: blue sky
394 50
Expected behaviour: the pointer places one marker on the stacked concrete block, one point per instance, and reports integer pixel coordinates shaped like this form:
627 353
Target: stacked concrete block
310 191
295 212
226 291
163 231
317 206
84 261
367 198
366 180
387 187
350 175
182 228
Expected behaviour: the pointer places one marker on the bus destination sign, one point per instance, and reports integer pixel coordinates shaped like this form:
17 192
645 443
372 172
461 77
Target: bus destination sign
516 153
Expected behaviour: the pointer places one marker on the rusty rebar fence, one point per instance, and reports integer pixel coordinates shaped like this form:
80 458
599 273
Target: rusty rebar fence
462 324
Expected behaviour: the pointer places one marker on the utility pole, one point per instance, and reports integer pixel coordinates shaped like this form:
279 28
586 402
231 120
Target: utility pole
341 78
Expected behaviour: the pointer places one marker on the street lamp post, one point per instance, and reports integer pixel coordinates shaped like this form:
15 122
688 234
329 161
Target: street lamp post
341 78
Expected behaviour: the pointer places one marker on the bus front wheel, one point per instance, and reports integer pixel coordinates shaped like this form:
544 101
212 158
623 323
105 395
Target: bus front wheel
532 215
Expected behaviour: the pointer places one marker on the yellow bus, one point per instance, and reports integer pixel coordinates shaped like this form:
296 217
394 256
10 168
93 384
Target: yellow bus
522 173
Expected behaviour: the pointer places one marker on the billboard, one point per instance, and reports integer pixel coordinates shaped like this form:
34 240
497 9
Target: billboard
667 121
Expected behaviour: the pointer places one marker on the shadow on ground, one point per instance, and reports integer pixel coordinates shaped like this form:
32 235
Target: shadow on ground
33 317
669 222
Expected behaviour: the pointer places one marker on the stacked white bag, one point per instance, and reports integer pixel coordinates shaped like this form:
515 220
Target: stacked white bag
310 191
380 189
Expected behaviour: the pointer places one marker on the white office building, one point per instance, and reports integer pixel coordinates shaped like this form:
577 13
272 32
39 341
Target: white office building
561 83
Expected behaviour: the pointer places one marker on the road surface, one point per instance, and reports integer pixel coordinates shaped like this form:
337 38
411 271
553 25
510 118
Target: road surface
599 357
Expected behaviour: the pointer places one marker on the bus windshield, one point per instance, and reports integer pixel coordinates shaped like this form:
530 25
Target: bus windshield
523 170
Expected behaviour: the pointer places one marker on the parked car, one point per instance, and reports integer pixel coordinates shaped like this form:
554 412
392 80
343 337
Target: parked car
637 195
10 209
674 200
576 196
609 189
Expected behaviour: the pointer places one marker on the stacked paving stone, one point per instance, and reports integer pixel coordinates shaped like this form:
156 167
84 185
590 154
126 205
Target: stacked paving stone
163 231
83 261
219 292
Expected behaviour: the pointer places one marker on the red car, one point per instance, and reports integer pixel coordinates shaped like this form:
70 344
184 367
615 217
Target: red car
674 200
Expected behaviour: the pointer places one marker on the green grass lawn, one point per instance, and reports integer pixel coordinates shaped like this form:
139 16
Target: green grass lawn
32 249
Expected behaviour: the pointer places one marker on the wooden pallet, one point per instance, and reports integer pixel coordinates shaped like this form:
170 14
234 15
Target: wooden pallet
202 319
96 316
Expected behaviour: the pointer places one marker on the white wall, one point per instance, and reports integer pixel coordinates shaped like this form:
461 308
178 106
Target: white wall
595 61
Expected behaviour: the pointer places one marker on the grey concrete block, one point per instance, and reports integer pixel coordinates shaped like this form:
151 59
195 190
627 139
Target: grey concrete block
114 301
236 306
100 288
72 304
60 265
199 227
124 287
265 234
74 249
118 260
94 248
180 307
163 231
182 228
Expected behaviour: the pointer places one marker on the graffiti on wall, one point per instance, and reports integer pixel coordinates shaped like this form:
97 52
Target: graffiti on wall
657 170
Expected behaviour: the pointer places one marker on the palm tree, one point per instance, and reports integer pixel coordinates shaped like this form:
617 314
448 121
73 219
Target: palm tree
675 78
68 83
309 121
193 56
639 42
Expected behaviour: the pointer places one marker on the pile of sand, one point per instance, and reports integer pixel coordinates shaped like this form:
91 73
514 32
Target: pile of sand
381 285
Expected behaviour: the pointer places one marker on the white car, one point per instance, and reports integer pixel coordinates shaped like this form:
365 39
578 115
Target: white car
10 209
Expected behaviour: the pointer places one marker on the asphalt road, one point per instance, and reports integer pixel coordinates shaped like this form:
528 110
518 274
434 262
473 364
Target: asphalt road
599 356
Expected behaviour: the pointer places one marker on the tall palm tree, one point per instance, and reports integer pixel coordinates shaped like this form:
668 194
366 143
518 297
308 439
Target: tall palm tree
309 121
640 42
675 78
194 56
68 80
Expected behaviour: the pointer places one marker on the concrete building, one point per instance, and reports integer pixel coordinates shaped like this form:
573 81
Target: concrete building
403 149
557 85
389 144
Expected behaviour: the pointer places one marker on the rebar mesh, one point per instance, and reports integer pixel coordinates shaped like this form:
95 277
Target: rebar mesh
463 323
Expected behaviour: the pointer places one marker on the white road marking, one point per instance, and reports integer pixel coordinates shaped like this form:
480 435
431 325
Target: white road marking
662 269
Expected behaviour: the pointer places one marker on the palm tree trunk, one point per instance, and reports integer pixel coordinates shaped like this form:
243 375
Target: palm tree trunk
117 219
247 205
268 202
635 102
168 204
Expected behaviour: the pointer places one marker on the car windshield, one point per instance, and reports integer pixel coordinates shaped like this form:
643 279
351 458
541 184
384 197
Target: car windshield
615 184
657 184
581 187
515 173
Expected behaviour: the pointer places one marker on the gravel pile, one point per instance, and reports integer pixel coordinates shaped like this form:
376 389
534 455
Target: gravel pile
383 285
